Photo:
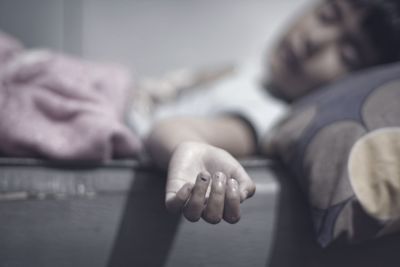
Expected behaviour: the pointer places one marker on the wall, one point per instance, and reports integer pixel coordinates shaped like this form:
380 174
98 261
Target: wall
150 36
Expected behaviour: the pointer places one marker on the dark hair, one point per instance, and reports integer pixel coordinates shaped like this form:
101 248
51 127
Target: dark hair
382 26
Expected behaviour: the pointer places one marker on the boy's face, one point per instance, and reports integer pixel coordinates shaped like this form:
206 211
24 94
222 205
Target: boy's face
322 45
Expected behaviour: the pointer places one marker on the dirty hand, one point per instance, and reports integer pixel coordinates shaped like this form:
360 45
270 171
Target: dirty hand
206 181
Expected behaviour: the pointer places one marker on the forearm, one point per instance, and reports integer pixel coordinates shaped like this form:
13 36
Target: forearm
229 133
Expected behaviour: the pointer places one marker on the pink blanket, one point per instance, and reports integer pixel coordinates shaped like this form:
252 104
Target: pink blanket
59 107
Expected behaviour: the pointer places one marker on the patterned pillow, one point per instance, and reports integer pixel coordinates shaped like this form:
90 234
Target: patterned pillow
343 146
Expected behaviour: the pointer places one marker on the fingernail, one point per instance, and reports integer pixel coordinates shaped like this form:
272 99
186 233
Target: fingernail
234 184
221 177
203 176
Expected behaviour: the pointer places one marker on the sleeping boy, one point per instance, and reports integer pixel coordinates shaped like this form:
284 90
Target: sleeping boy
331 40
58 107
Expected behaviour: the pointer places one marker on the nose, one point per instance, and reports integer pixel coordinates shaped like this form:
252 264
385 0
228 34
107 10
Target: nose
315 41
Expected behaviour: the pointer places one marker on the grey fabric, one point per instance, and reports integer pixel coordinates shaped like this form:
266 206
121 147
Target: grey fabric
345 155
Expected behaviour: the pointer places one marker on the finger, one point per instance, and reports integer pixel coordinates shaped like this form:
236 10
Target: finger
247 188
175 201
194 207
232 202
215 205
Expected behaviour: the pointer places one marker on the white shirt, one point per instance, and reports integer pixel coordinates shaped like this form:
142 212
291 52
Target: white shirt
239 94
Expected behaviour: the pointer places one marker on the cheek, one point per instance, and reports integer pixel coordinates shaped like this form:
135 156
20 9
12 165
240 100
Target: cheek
324 67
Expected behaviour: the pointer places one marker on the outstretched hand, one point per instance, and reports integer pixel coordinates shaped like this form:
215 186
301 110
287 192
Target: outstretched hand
206 182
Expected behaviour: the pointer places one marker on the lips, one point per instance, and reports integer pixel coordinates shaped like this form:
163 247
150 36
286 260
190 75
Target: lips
289 57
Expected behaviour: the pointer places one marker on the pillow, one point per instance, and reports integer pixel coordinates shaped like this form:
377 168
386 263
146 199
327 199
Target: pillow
343 146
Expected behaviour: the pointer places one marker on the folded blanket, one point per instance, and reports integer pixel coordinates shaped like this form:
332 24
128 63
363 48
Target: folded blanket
58 107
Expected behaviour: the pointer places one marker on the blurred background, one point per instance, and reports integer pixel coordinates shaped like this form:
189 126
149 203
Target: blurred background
150 36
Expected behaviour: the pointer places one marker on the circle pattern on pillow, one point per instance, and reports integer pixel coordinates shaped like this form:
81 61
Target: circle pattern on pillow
346 155
325 168
374 170
381 108
290 131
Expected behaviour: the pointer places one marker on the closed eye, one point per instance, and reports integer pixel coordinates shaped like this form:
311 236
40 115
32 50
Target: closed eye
329 12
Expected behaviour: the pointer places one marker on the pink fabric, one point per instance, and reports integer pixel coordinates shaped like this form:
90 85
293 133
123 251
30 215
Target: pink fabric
59 107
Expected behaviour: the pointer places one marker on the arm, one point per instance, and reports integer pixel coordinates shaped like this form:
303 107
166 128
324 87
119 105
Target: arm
229 133
200 168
